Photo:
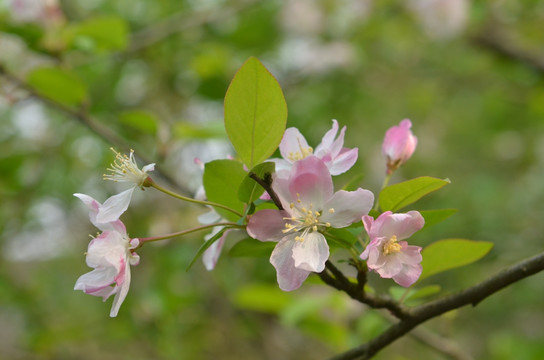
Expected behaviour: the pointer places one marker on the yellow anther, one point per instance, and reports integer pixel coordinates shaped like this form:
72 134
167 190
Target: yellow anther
299 238
391 246
331 211
292 205
328 224
314 228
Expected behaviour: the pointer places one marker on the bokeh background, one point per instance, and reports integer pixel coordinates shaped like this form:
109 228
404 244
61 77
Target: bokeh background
469 74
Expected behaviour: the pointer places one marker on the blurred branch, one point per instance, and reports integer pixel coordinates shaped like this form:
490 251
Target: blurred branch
84 118
419 314
181 21
492 40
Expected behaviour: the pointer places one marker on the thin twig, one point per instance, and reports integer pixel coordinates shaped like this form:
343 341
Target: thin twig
473 295
268 187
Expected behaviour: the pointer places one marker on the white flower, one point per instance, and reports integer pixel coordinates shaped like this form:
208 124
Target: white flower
123 169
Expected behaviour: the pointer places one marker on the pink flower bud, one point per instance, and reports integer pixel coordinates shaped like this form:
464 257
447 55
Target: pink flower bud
398 145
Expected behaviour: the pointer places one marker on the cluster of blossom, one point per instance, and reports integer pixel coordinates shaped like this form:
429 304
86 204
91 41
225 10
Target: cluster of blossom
307 205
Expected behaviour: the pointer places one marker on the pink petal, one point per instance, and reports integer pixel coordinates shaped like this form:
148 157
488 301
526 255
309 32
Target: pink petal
211 255
289 277
121 292
409 254
113 207
311 253
148 168
311 181
347 207
401 225
391 267
399 142
327 140
267 225
408 275
344 161
293 142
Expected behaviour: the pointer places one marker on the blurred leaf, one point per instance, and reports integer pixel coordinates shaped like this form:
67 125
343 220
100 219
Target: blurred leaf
433 217
447 254
397 196
250 190
413 294
205 246
264 298
250 247
255 112
354 183
140 120
186 130
101 34
58 84
221 180
343 237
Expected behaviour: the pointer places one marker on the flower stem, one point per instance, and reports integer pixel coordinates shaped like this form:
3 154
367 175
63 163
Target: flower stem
185 232
202 202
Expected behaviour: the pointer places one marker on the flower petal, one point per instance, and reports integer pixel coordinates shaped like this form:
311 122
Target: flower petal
324 147
401 225
408 275
211 255
346 207
310 181
311 253
267 225
344 161
293 145
114 206
122 292
289 277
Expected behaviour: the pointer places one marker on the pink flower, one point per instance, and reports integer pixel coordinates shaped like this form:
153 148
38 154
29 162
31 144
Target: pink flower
338 159
123 169
310 207
110 254
398 145
388 256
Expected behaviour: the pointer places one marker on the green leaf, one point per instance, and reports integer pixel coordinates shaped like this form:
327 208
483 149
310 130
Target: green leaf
342 237
250 190
140 120
58 85
447 254
205 246
397 196
252 248
101 34
255 113
411 295
221 180
433 217
354 183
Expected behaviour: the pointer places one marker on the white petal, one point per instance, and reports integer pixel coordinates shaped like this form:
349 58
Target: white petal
116 205
311 253
289 277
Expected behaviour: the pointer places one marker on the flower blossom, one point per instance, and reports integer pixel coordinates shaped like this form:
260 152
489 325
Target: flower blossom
386 254
123 169
310 207
110 254
398 145
338 159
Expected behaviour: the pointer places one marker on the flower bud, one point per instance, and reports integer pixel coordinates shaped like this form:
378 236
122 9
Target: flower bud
398 145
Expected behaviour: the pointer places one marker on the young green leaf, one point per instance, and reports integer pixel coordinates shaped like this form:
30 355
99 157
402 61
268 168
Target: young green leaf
221 180
397 196
58 84
250 190
205 246
255 113
433 217
252 248
447 254
140 120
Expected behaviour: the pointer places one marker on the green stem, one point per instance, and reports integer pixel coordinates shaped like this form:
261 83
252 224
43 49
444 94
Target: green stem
184 198
384 185
185 232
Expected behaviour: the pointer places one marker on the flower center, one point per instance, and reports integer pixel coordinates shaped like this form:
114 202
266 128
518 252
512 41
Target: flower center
391 246
301 154
303 219
125 169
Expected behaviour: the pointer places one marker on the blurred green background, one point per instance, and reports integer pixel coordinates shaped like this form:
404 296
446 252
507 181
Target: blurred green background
469 74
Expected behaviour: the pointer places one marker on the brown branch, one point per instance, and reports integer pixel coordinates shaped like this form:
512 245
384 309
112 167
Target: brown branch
335 278
492 40
268 187
473 295
82 116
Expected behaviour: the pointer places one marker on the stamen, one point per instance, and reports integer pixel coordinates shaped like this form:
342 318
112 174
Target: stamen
331 211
